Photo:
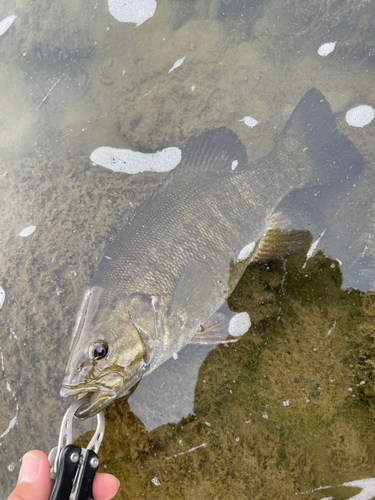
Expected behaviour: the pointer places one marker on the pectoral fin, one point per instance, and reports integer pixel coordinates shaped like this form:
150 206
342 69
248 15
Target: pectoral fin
193 291
223 327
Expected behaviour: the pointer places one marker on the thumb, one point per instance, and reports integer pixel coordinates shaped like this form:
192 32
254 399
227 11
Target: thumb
34 478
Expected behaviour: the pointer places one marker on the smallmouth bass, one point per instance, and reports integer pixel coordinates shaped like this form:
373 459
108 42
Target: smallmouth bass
165 279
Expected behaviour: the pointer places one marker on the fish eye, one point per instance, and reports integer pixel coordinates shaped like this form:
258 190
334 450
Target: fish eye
99 350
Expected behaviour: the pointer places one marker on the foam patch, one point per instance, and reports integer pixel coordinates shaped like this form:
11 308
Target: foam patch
132 11
133 162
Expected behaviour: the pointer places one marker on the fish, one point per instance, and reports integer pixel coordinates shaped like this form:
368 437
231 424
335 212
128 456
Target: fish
165 279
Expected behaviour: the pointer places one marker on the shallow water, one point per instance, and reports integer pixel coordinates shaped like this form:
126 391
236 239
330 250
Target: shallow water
287 409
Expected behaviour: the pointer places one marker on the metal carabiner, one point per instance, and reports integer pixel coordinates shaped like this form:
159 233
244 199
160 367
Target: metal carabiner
72 469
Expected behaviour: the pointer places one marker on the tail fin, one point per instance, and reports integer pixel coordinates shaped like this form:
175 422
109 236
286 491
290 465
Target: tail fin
330 156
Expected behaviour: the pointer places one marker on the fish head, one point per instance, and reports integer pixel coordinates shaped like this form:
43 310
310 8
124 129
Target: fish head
107 355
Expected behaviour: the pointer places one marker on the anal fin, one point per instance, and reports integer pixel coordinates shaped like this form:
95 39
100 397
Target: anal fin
283 238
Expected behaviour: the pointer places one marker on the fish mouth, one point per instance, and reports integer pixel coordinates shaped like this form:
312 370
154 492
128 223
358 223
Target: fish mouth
100 393
97 401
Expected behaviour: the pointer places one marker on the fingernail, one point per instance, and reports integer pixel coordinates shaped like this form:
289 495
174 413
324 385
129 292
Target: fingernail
29 469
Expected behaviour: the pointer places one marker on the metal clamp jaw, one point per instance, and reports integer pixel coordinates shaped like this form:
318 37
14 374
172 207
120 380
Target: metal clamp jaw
72 469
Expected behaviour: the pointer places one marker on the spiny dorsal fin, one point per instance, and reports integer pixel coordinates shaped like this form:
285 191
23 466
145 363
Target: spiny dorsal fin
212 151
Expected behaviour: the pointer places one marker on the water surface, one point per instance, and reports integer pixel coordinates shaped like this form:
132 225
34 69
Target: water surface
290 407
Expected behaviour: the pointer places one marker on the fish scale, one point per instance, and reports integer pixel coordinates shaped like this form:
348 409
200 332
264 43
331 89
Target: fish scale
148 242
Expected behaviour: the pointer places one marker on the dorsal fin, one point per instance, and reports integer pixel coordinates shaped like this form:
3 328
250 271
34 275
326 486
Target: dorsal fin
212 151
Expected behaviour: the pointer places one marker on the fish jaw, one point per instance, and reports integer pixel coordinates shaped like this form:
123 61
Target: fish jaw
100 392
98 400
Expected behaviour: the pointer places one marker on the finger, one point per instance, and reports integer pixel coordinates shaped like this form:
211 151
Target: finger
105 486
34 478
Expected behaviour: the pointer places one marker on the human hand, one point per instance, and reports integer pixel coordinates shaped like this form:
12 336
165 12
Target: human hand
34 480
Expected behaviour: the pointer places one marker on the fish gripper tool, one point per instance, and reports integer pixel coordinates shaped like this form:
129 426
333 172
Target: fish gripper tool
72 469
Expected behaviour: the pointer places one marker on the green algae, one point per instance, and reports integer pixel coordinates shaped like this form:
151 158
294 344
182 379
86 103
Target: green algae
278 413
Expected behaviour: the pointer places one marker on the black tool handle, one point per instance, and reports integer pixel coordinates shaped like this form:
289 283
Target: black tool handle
76 471
91 467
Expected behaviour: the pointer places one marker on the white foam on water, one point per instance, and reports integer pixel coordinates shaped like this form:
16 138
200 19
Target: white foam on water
2 297
314 244
316 489
203 445
331 329
246 251
133 162
312 248
27 231
6 23
132 11
326 48
239 324
177 64
368 488
12 423
250 122
149 92
360 116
